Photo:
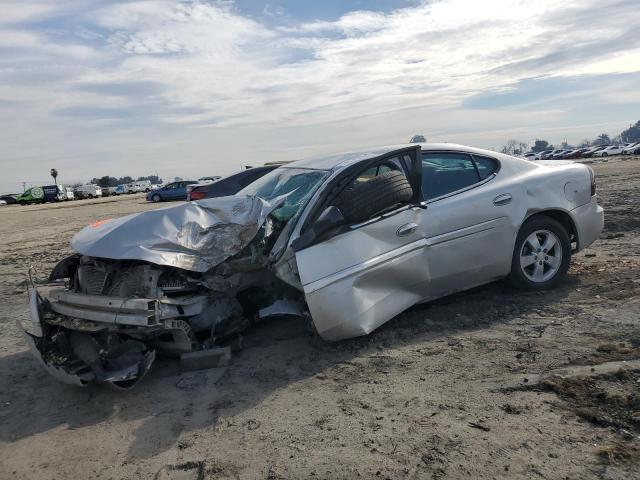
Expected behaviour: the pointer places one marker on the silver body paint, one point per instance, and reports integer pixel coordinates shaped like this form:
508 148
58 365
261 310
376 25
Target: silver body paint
358 280
353 281
193 236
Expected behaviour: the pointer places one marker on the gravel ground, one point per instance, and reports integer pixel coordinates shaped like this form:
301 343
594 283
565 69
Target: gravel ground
491 383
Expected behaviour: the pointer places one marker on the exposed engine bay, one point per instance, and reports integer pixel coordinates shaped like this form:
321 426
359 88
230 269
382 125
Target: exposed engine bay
104 319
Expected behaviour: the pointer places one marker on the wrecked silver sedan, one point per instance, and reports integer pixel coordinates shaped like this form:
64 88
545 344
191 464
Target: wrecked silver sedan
345 242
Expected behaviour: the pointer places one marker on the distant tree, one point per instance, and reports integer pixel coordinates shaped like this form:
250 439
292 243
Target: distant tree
541 146
584 143
418 139
125 179
514 147
632 134
54 174
105 181
603 139
154 179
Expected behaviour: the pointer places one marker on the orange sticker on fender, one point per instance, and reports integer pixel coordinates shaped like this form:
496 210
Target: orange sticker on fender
100 222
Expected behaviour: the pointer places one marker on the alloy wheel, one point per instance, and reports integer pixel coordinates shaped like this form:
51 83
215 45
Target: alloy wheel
541 256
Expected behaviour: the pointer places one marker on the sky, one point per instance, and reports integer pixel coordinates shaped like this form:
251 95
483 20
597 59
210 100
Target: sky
195 88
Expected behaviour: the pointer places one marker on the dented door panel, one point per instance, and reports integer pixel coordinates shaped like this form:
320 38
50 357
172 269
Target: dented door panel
358 280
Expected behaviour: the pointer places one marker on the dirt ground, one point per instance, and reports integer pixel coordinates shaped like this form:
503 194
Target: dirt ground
491 383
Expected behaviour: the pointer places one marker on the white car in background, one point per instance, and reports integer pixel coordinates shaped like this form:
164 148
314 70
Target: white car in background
629 149
142 186
88 191
612 150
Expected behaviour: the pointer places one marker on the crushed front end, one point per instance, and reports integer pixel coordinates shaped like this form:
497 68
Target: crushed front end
106 319
183 288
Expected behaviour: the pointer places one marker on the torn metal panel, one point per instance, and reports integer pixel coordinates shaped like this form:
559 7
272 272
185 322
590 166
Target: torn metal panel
283 307
76 358
194 236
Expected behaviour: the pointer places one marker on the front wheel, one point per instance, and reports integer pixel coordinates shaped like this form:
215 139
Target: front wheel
541 256
605 154
156 198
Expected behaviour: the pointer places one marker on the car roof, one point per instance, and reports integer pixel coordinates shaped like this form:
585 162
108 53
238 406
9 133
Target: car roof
338 161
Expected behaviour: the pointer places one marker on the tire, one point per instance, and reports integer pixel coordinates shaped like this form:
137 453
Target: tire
363 201
553 272
156 198
23 203
605 154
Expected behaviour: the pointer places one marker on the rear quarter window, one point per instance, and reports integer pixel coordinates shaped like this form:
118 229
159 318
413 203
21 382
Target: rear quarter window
486 166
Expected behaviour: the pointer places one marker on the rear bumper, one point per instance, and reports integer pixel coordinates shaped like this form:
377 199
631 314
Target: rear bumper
589 221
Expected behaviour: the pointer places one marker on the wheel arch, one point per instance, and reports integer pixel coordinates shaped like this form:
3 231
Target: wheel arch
563 218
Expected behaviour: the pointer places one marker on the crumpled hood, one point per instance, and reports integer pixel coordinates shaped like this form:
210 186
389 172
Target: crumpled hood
193 236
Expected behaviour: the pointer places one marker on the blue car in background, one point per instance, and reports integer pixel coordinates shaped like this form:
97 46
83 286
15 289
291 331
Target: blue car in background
171 191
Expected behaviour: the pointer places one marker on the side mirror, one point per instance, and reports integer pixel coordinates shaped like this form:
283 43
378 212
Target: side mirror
328 220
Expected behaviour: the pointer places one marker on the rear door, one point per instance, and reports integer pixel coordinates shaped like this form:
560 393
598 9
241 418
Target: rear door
362 277
471 220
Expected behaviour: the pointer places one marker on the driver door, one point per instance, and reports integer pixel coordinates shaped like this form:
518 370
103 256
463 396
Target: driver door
371 271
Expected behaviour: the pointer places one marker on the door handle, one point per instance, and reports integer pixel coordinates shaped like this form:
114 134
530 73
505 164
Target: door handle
406 229
503 199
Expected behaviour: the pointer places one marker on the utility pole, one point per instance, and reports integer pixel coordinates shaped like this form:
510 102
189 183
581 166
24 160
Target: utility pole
24 187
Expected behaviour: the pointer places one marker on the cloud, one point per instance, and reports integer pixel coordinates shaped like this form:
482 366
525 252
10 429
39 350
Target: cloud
193 73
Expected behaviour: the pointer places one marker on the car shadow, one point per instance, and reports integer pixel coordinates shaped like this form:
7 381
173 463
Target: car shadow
280 352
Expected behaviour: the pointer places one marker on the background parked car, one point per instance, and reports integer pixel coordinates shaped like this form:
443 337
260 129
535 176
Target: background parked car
9 199
554 154
629 149
589 153
229 185
142 186
88 190
577 153
209 179
612 150
47 193
547 156
171 191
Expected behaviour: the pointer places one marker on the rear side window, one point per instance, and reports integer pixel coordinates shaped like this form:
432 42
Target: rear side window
447 172
486 166
444 173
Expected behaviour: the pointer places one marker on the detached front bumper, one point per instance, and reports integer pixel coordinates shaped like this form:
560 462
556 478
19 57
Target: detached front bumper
79 357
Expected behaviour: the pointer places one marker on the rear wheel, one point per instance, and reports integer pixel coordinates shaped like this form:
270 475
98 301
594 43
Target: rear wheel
541 256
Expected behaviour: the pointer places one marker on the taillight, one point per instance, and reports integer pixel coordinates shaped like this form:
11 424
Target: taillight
197 195
593 181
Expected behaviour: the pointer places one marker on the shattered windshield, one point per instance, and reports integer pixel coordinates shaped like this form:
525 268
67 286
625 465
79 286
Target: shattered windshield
298 183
